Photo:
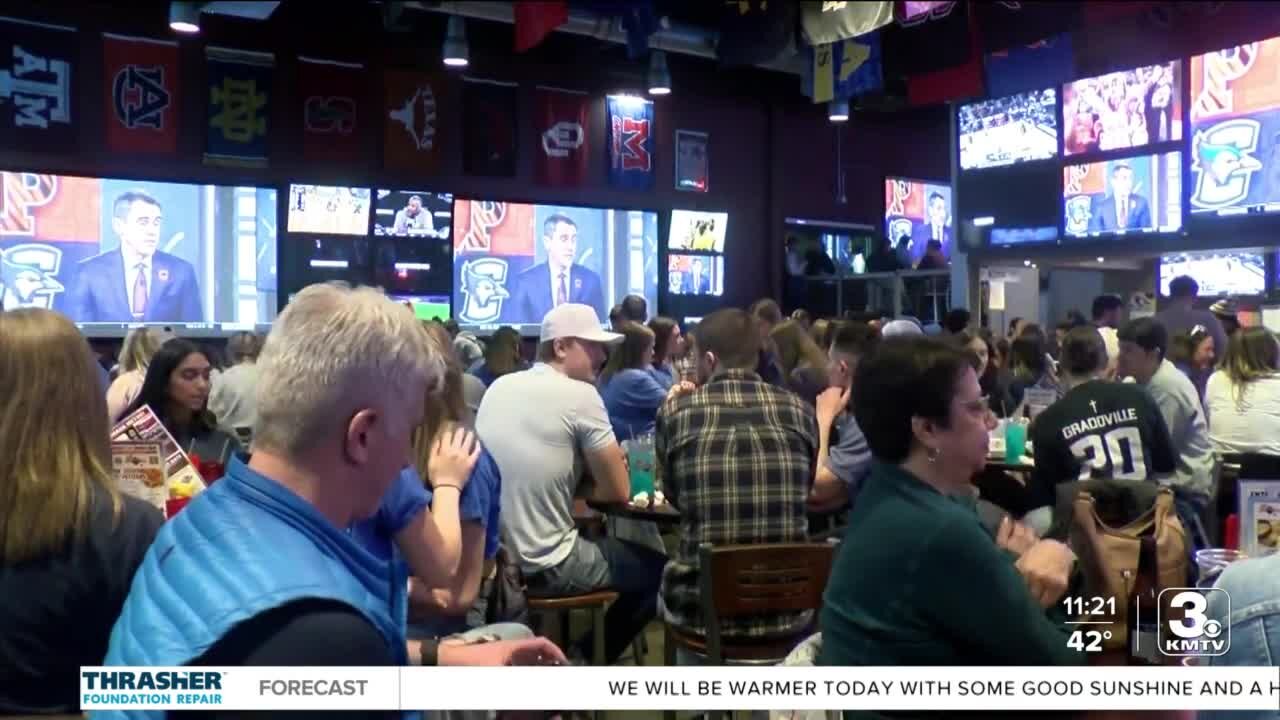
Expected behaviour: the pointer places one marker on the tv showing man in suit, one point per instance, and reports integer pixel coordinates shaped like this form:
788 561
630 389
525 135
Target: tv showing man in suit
514 262
1123 209
937 226
557 281
697 274
136 282
919 211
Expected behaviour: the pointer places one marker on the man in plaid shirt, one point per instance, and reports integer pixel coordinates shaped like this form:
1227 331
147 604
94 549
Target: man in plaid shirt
736 456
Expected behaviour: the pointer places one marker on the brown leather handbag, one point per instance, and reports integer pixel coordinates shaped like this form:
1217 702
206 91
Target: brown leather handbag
1125 560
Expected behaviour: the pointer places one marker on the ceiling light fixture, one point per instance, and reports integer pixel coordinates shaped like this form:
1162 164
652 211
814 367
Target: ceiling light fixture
456 53
184 16
659 75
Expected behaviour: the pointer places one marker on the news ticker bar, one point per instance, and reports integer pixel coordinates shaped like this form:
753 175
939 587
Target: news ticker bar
681 688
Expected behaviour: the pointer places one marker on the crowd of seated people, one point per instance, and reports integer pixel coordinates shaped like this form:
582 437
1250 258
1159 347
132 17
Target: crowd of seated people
390 493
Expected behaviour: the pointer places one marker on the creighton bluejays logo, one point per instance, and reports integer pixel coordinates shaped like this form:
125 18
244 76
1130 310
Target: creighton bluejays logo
139 97
28 276
1224 164
1079 212
484 287
899 228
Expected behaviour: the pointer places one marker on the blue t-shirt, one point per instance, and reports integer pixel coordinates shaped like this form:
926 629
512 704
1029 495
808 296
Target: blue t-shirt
406 497
632 398
481 499
664 374
849 456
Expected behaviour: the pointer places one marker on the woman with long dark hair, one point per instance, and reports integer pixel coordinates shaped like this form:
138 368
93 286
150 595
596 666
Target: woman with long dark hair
176 389
631 394
668 344
992 378
1029 365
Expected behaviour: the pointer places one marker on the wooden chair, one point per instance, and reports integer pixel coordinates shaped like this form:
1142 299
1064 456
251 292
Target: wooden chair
594 602
744 580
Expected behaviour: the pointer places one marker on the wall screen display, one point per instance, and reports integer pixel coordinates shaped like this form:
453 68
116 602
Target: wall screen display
1128 109
425 307
1008 237
919 211
1235 125
695 274
1008 130
109 253
1137 194
697 231
413 213
328 209
513 262
1222 272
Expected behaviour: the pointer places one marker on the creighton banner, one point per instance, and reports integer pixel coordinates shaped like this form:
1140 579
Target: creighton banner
120 692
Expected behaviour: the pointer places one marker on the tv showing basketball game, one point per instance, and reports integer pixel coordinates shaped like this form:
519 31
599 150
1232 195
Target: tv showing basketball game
1235 130
513 262
697 231
1217 272
413 213
695 275
1121 110
920 211
1008 130
1141 194
328 209
111 253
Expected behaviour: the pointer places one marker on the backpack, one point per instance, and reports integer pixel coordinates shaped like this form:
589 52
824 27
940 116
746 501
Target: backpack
506 592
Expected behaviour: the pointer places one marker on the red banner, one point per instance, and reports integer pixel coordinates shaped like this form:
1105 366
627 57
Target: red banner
563 121
330 93
140 84
411 127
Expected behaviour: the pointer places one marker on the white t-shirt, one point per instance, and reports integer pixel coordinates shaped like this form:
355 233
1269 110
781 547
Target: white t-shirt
1250 426
537 424
233 397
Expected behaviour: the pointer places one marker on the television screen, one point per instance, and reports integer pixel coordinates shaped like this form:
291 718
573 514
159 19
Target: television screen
1128 109
1235 130
513 261
425 307
1220 272
413 213
329 210
698 231
1140 194
309 260
695 274
919 211
111 253
413 266
1008 130
1008 237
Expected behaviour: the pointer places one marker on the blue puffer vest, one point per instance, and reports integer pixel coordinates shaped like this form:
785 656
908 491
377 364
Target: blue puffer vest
245 546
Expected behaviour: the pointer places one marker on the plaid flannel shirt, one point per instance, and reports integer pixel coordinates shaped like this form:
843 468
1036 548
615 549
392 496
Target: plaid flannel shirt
736 456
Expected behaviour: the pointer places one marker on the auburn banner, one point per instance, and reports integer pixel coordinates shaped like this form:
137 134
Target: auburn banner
411 127
238 106
36 65
140 90
563 122
330 92
630 142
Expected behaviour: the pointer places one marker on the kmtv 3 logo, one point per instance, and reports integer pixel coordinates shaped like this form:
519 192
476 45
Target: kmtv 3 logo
1224 164
484 287
1186 629
29 276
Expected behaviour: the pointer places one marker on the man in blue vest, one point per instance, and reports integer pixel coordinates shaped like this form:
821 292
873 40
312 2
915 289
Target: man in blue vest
261 568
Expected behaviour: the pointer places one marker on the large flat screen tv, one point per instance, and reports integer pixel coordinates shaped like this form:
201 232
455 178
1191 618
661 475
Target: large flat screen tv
111 253
413 213
919 211
1141 194
696 231
513 262
1217 272
328 209
1128 109
1235 130
1008 130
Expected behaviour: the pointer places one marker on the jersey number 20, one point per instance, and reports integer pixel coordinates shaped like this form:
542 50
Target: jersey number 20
1120 449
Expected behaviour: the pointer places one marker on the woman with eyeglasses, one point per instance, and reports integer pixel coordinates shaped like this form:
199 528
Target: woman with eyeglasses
915 528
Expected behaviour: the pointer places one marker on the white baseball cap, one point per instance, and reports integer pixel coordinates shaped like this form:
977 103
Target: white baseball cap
899 328
574 320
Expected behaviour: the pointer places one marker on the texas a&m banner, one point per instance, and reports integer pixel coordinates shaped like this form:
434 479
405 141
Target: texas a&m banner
239 97
36 64
630 142
410 125
563 122
331 92
140 89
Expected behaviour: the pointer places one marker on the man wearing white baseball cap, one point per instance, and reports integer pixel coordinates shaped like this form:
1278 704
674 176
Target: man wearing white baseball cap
542 425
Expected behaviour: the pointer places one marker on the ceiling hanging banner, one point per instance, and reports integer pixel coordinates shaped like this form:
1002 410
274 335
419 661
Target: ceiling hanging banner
631 142
37 62
489 130
140 89
239 106
828 22
410 123
562 118
331 92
